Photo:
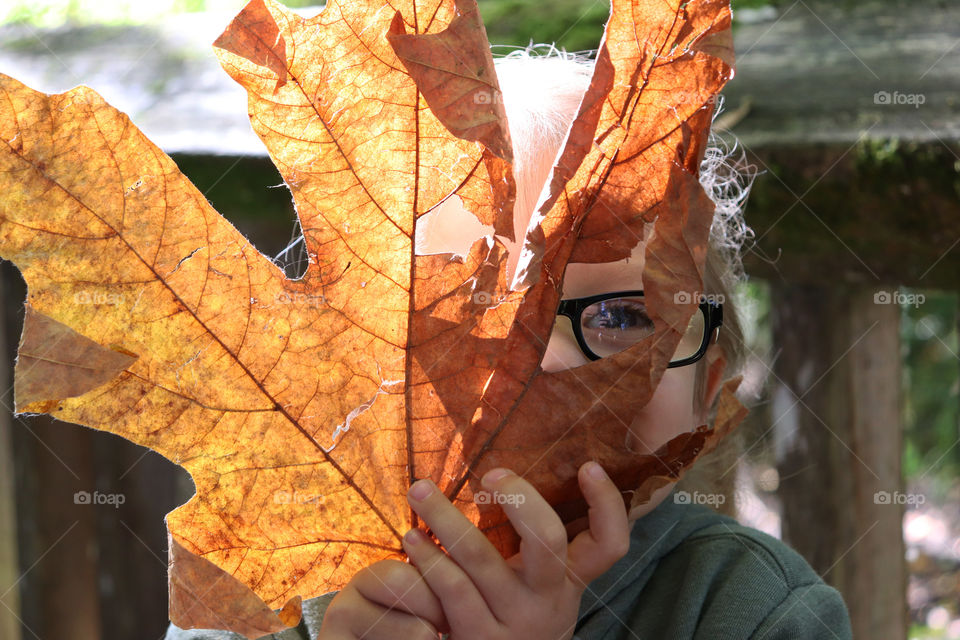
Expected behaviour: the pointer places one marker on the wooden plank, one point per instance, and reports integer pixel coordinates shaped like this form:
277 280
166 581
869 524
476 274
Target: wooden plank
132 539
65 549
9 564
57 537
838 440
830 72
877 215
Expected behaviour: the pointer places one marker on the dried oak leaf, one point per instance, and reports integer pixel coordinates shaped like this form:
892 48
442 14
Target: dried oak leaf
303 409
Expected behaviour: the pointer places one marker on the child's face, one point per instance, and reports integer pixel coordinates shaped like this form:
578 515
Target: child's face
670 410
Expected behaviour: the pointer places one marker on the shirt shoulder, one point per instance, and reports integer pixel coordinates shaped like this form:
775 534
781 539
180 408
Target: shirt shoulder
744 583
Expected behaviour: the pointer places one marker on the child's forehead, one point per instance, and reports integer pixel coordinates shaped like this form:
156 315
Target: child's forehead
583 279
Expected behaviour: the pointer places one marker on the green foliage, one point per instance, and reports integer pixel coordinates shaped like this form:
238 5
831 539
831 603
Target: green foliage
751 299
755 4
923 632
574 25
931 379
53 13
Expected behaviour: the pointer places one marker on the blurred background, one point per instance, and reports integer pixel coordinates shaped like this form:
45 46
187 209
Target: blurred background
850 113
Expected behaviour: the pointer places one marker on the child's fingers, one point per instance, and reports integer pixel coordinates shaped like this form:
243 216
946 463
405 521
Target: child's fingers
398 585
350 616
463 605
466 544
607 540
543 538
394 624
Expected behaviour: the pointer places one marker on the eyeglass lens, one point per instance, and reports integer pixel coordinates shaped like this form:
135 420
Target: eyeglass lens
610 326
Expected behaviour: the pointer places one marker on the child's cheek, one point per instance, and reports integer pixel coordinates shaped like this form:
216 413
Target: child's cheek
562 350
668 414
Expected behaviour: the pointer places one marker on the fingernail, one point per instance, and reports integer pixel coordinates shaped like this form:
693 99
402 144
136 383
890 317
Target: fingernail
492 477
413 537
421 489
596 471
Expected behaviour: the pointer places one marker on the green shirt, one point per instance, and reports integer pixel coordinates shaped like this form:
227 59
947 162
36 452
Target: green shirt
690 573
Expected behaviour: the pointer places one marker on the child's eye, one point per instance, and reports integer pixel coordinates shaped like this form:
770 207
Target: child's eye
613 325
619 313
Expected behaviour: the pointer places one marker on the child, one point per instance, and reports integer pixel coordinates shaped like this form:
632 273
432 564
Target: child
664 569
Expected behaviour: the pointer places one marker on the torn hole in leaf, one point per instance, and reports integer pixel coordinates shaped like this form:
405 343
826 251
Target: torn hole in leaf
449 228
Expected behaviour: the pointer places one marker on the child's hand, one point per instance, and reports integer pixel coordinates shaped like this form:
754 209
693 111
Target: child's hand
385 601
536 593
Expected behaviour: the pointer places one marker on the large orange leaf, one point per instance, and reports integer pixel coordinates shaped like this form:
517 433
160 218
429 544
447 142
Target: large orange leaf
303 409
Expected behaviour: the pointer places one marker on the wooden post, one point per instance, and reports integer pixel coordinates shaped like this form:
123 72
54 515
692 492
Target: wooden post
9 566
57 537
838 440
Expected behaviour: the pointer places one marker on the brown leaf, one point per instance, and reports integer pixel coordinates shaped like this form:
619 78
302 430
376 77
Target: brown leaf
236 605
55 362
304 409
253 34
454 71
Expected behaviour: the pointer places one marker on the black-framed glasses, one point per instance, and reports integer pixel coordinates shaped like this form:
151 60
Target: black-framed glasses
608 323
